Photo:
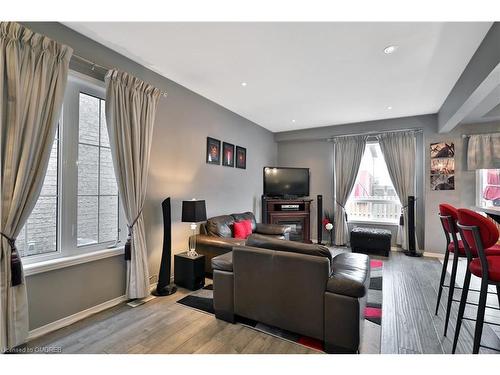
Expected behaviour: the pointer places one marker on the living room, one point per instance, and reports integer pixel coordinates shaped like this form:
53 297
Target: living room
239 188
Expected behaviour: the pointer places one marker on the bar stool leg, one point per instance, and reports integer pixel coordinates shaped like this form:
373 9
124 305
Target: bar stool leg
461 309
451 291
498 295
441 281
480 316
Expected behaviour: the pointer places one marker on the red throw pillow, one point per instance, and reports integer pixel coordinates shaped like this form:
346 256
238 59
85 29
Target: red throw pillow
248 226
242 229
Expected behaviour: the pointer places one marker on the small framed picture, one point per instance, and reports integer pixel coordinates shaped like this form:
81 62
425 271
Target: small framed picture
227 154
241 157
442 150
213 151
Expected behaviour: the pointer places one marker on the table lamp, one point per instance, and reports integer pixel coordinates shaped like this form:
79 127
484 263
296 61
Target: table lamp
193 212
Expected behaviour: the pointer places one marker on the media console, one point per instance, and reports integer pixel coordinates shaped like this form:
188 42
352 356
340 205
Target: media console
292 212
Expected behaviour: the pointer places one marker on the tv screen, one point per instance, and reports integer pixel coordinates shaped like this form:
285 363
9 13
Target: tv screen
279 182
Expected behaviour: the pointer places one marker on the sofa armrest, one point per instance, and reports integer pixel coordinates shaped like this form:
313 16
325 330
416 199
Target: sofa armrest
339 284
350 275
223 262
211 246
272 229
203 240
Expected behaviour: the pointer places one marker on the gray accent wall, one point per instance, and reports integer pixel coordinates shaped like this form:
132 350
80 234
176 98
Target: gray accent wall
311 145
464 195
177 170
318 157
310 148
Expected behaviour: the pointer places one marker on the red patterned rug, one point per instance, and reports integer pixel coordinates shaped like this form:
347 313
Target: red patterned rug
202 300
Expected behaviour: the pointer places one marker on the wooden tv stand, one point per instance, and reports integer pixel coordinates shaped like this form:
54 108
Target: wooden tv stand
293 212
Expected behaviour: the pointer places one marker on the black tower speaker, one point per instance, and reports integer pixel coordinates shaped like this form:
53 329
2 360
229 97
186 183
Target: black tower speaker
163 287
264 210
320 219
412 251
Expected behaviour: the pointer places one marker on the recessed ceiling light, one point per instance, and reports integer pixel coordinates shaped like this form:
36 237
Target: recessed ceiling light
389 107
243 84
293 120
390 49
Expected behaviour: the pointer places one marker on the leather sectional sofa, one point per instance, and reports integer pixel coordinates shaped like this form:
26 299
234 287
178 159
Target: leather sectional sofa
294 286
216 235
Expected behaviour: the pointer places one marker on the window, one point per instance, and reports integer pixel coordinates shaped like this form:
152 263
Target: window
78 208
39 234
373 197
488 188
97 190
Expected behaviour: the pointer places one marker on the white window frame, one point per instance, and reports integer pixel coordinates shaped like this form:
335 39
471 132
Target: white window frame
377 221
67 203
479 193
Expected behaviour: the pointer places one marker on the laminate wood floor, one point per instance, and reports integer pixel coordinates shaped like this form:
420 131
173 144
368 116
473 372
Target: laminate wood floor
163 326
410 294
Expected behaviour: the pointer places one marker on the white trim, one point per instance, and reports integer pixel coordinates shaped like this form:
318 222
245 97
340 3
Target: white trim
373 222
61 323
431 254
58 263
428 254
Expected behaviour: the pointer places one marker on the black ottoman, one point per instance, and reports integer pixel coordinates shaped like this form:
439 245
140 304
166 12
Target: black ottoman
371 240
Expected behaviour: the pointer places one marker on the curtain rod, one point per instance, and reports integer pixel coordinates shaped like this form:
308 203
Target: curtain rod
414 130
470 135
94 65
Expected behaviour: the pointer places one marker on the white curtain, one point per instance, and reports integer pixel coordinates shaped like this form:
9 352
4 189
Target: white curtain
398 149
130 115
483 151
348 152
33 75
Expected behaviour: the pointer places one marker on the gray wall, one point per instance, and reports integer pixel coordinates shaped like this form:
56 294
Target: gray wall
318 157
60 293
314 152
311 145
464 195
177 169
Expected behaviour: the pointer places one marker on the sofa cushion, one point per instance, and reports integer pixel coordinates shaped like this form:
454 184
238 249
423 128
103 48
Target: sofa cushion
242 229
223 262
350 275
246 216
220 226
266 242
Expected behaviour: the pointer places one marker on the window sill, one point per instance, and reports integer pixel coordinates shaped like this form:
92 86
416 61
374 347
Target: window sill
63 262
488 210
373 222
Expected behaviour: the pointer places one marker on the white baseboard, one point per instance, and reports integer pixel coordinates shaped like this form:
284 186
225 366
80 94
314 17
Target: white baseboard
58 324
431 254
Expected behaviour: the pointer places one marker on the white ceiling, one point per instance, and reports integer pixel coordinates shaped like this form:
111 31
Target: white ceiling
317 74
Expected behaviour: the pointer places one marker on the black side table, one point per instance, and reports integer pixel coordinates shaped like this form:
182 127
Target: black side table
189 272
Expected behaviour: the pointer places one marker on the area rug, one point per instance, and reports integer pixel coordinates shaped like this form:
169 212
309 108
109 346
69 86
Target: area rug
202 300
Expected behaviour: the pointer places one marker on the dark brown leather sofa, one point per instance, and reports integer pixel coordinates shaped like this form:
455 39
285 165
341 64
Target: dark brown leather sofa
216 235
297 287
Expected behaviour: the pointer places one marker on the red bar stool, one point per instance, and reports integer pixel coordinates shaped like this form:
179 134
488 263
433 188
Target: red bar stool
479 236
449 216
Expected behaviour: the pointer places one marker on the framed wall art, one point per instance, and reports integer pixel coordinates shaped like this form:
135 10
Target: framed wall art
213 151
442 168
241 157
227 154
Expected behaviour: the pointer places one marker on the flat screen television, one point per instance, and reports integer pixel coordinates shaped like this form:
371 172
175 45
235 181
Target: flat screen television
286 182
